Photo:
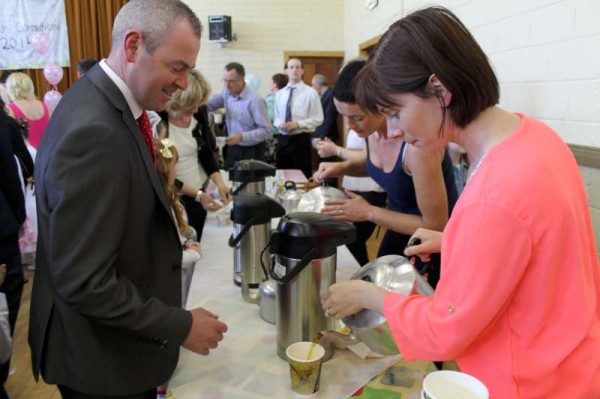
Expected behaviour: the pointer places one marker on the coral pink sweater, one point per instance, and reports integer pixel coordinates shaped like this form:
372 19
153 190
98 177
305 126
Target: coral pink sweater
518 303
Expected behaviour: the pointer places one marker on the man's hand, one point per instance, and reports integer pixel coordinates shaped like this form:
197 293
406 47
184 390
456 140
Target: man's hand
289 126
206 332
234 139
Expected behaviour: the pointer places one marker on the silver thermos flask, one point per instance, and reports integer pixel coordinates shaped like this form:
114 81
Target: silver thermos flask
248 177
251 215
304 266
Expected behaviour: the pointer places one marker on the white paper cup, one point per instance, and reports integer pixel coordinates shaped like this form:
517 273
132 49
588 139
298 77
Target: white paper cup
305 374
447 384
221 141
218 118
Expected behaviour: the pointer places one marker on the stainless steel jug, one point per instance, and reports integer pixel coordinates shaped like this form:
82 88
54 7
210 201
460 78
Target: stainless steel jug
248 176
251 215
393 273
304 266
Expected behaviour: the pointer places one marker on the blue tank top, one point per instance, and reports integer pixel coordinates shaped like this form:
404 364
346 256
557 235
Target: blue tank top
399 185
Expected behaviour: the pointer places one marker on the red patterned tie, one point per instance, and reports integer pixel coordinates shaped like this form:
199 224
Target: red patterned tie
146 129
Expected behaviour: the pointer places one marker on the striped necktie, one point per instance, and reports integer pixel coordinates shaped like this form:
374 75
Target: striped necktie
288 106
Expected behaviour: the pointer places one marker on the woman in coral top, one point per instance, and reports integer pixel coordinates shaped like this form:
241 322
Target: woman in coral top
518 302
27 107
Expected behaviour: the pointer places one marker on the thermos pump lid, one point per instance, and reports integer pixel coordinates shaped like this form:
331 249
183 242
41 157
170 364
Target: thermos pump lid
255 207
250 170
299 232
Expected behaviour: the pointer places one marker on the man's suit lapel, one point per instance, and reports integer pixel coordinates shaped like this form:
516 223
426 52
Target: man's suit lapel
112 92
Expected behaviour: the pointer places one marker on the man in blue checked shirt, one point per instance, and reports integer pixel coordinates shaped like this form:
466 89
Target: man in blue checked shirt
246 116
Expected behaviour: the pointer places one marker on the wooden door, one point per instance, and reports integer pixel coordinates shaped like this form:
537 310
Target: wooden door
327 64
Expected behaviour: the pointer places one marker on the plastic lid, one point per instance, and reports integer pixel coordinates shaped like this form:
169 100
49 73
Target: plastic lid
300 232
256 207
250 170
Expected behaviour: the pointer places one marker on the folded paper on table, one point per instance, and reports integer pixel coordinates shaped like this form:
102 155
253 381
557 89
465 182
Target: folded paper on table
246 365
363 351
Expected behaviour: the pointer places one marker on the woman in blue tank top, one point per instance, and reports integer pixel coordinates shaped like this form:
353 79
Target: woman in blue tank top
420 185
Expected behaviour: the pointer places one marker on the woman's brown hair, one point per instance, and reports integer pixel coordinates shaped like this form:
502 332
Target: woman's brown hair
429 41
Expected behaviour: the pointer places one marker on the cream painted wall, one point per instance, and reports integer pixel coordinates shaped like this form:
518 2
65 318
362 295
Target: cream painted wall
265 29
546 54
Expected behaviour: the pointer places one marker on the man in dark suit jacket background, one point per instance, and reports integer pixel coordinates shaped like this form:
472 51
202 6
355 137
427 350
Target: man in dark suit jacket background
328 130
12 217
105 309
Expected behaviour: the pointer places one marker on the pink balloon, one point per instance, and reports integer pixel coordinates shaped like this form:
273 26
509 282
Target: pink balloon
40 41
53 74
51 99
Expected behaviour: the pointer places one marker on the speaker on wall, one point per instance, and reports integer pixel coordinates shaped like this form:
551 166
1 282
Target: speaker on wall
219 28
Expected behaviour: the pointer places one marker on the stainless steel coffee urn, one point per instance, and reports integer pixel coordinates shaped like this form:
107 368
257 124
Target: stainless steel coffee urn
248 176
251 215
304 266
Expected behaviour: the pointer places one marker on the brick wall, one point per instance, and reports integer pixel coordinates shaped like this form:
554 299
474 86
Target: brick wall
265 29
546 54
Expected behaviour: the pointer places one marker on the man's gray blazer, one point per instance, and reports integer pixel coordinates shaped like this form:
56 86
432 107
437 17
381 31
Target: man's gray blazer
105 308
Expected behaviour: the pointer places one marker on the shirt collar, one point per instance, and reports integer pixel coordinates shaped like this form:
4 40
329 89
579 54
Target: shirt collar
135 108
300 83
243 94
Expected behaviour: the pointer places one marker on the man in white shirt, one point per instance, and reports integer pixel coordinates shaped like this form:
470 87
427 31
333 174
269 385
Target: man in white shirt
298 112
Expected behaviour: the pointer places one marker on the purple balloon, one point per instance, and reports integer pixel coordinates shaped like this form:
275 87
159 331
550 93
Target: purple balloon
53 74
51 99
40 41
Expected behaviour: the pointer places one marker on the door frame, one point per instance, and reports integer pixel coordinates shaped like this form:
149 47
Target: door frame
366 47
325 54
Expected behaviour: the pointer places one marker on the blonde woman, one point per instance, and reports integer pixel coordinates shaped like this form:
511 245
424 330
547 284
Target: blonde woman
186 121
26 106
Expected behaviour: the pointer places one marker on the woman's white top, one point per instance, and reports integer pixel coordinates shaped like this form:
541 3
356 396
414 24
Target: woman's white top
189 169
355 142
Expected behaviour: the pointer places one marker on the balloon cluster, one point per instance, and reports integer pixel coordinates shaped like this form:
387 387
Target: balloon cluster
53 74
40 42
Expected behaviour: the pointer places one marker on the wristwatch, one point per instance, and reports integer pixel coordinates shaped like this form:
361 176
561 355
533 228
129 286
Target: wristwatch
199 195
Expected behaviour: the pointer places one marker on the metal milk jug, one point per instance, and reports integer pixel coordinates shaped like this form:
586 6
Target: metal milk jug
304 266
251 215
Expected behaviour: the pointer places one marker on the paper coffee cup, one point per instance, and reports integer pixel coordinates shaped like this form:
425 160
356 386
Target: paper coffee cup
447 384
221 141
305 373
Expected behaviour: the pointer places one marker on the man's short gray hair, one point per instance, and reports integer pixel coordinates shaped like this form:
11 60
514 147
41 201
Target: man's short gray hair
320 79
154 18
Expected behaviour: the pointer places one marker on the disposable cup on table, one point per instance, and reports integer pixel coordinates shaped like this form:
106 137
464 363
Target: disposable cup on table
305 373
448 384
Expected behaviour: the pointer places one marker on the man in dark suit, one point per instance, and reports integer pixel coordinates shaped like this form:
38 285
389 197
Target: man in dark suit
105 309
329 127
12 217
328 130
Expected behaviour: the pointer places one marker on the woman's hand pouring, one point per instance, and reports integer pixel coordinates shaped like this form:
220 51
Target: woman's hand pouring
348 297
